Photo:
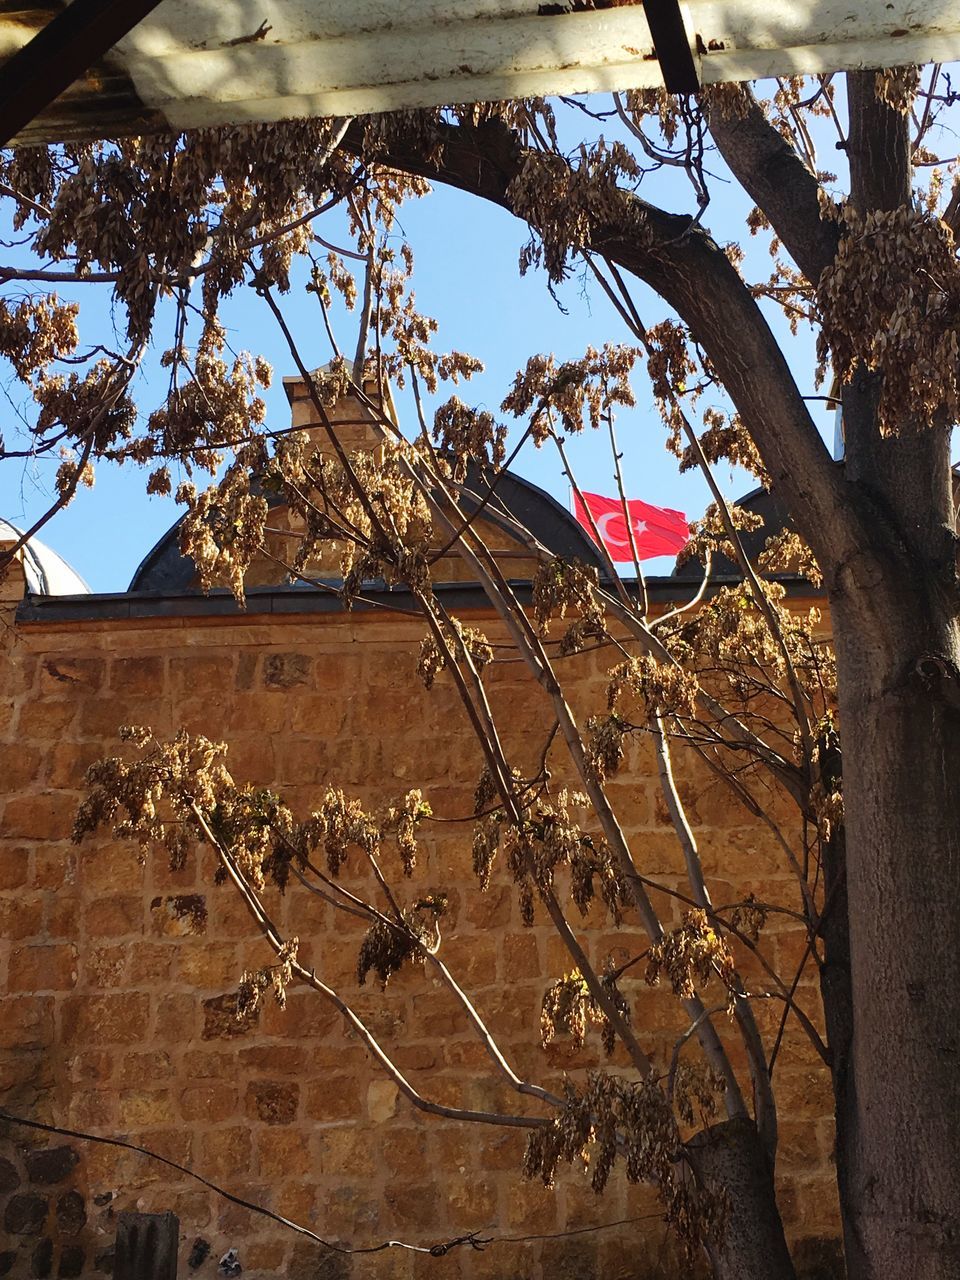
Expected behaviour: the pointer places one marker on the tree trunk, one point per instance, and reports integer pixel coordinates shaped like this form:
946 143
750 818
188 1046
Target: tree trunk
834 930
895 611
729 1158
899 1154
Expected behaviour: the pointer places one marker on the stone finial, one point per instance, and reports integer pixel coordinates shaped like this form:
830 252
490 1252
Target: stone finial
13 580
355 421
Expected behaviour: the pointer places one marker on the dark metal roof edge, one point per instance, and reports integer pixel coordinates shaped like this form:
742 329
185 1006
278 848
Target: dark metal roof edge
291 601
167 569
553 512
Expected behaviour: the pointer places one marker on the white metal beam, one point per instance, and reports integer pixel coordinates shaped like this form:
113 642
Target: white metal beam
205 62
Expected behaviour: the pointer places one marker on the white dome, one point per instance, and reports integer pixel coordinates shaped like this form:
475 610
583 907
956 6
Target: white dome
47 574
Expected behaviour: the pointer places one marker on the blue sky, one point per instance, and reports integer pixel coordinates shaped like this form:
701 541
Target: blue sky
466 276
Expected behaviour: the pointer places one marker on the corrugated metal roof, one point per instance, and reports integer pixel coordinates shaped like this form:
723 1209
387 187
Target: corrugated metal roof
206 62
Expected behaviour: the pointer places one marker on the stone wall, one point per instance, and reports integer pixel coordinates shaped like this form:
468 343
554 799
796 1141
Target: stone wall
116 975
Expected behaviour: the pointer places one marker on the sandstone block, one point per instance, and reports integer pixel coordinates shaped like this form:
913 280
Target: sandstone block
208 1102
136 1068
465 1053
403 1149
531 1207
278 1059
519 955
106 966
471 1201
138 674
14 866
62 917
436 1017
208 965
194 1207
42 718
182 878
229 918
209 672
62 674
217 1063
54 868
26 1022
93 1108
43 968
247 664
101 717
571 1260
256 712
116 916
412 1204
225 1151
68 762
798 1147
90 1066
104 866
335 1097
283 1152
307 1015
382 1099
140 1108
345 1151
20 765
473 960
310 1262
150 962
272 1101
120 1018
286 670
46 815
502 1151
266 1255
220 1017
173 1144
491 909
416 1057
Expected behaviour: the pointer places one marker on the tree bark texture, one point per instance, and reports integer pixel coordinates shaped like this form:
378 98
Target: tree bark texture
834 932
895 621
729 1157
900 1155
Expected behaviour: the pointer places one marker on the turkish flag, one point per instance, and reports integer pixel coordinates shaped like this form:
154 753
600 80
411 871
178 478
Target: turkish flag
657 531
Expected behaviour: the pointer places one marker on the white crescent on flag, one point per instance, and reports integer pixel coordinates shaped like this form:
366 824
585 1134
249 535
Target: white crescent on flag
603 525
657 531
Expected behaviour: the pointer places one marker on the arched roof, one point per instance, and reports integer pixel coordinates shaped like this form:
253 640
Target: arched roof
46 573
761 502
165 569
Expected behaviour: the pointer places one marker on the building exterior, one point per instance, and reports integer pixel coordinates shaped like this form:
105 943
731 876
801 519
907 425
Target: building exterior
118 975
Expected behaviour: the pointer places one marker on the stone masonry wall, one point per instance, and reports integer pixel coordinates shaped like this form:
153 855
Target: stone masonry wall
116 976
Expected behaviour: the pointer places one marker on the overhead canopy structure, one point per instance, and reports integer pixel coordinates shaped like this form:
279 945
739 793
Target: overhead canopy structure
207 62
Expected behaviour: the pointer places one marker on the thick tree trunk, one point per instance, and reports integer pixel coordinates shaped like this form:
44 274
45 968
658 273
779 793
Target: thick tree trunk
899 1148
834 931
896 622
730 1158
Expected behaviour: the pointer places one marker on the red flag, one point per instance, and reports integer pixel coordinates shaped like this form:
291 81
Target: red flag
657 531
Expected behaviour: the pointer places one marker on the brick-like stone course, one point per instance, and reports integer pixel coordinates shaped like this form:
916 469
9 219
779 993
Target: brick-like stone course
118 976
